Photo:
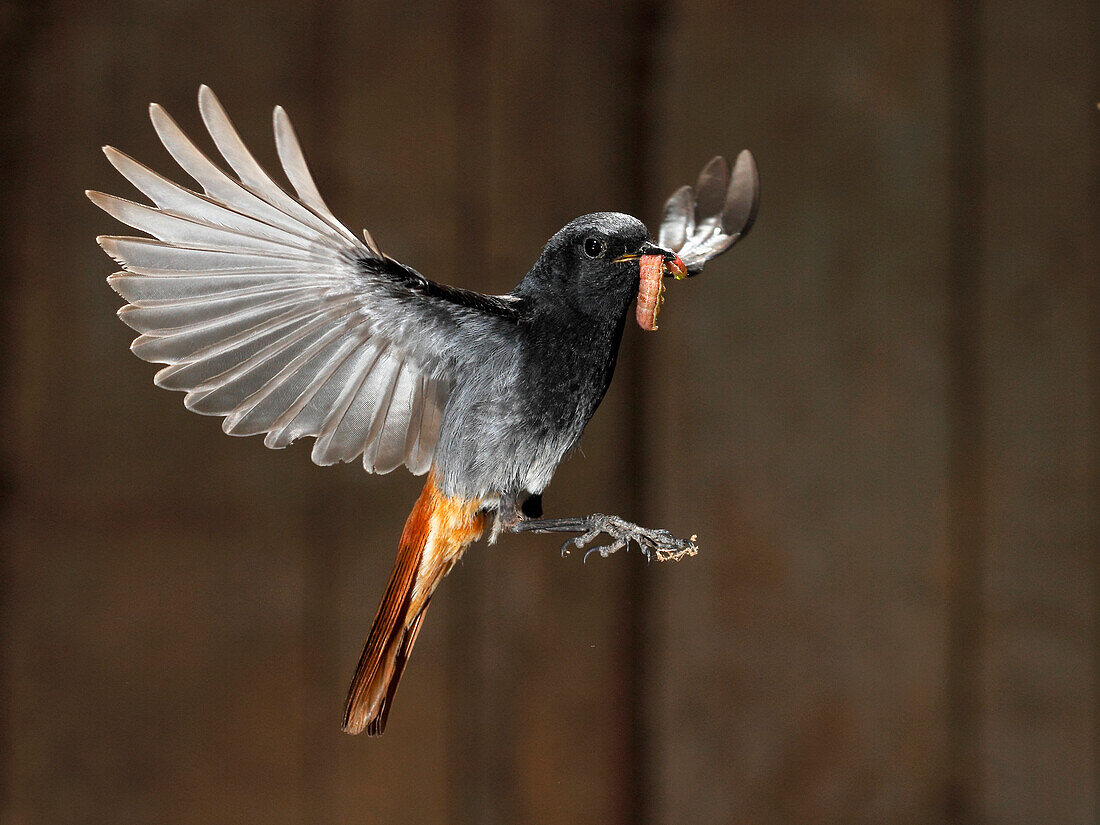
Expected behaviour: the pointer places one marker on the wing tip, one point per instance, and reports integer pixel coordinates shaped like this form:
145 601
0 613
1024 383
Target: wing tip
211 107
718 160
716 170
280 122
745 166
116 157
114 282
108 245
231 424
743 194
161 120
138 345
163 123
100 199
322 460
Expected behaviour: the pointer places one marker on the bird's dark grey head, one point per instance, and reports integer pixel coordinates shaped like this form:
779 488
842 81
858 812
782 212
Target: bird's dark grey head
581 262
590 241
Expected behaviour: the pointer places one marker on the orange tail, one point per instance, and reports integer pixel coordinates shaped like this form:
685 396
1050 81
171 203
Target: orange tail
437 532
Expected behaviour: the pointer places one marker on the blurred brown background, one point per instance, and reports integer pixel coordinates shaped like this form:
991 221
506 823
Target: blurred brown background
879 414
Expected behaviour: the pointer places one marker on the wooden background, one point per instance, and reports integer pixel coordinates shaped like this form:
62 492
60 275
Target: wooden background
880 414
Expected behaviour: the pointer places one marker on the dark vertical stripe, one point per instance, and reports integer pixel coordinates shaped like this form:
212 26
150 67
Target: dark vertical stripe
636 143
1094 405
320 649
19 37
475 783
966 422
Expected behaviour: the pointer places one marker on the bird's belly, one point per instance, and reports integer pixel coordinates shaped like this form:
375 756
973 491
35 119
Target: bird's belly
509 446
509 427
541 463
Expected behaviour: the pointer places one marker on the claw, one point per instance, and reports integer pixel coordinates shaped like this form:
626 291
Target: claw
653 543
607 549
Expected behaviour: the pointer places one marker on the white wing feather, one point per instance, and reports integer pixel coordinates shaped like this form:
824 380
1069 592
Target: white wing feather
701 223
257 303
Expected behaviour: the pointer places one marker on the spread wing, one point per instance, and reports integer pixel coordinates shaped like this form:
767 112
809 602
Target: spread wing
702 223
268 311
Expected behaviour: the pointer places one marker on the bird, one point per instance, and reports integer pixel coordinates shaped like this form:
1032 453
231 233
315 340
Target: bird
268 312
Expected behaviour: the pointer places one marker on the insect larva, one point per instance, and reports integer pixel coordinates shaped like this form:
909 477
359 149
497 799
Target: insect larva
651 290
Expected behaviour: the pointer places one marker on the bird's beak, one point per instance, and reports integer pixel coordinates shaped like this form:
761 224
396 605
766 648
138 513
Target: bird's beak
672 265
654 262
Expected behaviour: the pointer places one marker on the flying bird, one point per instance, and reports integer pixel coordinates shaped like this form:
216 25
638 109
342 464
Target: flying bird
268 311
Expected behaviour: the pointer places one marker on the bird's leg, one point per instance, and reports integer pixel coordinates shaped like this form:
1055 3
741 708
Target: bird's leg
654 544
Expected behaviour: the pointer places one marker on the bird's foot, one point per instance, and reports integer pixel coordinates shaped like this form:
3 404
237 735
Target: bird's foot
655 544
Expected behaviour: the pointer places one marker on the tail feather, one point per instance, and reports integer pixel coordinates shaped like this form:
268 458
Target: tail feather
401 655
380 664
436 533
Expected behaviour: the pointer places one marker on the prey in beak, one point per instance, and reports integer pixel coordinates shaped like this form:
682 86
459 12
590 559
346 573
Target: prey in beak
654 263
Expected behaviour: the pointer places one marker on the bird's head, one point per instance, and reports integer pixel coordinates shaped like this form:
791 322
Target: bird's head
598 263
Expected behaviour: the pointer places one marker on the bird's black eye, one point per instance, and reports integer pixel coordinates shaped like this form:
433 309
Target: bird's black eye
594 247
